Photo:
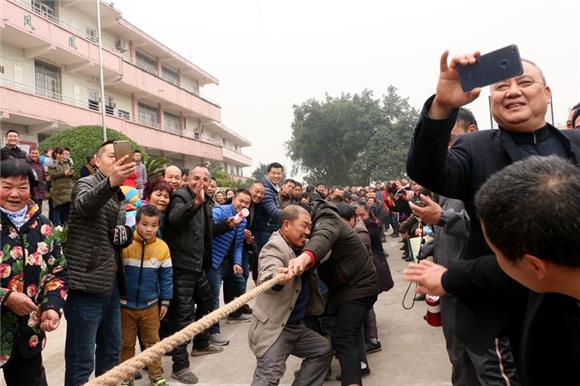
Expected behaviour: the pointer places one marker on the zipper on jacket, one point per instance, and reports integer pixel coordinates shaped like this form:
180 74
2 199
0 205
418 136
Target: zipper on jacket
140 274
534 134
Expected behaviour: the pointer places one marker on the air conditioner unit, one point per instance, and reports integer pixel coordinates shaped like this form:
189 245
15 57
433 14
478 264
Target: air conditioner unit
121 45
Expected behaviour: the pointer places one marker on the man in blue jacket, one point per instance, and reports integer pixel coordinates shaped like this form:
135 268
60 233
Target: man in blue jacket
226 259
268 214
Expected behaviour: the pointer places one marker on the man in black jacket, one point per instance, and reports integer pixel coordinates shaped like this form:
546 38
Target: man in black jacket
516 207
189 234
11 149
350 276
490 304
93 335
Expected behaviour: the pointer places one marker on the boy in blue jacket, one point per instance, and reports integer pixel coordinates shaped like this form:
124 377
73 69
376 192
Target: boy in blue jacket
149 280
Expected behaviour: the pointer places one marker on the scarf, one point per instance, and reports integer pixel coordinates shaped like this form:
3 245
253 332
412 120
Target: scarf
17 218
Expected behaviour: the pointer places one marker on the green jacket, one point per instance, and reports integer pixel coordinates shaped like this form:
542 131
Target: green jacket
62 184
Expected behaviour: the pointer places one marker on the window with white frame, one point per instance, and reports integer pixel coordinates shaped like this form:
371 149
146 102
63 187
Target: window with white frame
171 123
148 116
169 75
93 99
124 114
146 62
48 80
110 105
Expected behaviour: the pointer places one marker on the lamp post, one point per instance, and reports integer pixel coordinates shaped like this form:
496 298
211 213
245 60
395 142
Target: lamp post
101 76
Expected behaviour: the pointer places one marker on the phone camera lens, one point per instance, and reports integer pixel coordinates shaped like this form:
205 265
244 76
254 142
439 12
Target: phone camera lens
504 63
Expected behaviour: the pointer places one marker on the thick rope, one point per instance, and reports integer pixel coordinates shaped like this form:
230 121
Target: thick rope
127 369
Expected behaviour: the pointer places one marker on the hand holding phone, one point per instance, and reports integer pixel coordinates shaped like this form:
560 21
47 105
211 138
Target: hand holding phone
491 68
122 148
450 95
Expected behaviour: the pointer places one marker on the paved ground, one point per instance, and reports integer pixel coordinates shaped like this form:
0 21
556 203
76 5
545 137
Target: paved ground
413 352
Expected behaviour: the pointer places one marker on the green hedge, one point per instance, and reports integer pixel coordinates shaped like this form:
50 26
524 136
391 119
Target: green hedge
84 140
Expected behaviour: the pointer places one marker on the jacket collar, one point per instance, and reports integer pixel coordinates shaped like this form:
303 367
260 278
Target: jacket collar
515 155
138 238
269 184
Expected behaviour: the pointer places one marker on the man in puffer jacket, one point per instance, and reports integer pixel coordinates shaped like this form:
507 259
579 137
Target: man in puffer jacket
92 308
227 256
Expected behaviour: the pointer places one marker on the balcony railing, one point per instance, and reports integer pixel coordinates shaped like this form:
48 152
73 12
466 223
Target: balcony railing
48 13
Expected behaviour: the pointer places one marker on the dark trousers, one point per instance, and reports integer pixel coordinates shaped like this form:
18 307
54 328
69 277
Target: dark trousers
60 214
347 337
93 335
261 237
371 329
496 365
393 221
189 289
20 371
233 287
51 211
462 371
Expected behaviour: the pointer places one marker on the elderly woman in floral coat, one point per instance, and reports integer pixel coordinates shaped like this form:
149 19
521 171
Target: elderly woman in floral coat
33 277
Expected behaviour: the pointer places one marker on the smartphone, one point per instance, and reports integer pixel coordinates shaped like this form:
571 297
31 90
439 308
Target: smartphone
122 148
492 67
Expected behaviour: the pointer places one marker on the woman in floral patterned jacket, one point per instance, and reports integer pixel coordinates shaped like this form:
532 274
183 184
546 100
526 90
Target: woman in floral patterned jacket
33 277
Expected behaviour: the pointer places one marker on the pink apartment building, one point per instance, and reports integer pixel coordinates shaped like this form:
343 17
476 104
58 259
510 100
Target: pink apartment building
49 81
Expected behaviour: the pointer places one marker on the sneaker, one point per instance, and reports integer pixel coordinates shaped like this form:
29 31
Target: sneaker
243 318
374 346
159 381
185 375
246 309
219 340
127 383
210 349
137 375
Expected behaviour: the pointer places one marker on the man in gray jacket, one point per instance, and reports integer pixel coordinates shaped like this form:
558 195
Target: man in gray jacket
277 329
92 308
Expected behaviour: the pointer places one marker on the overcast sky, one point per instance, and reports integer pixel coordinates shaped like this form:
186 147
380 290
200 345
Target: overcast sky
269 55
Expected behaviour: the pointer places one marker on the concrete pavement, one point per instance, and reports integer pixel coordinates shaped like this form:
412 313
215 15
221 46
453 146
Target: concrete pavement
413 352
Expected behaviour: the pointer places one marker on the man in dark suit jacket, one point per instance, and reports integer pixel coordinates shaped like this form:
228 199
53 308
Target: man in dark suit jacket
516 206
490 305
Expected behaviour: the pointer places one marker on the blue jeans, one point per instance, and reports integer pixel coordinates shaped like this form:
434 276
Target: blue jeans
93 335
233 286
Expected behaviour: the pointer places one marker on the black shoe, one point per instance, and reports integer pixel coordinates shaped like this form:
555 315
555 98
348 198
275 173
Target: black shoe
403 248
374 347
363 372
246 309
